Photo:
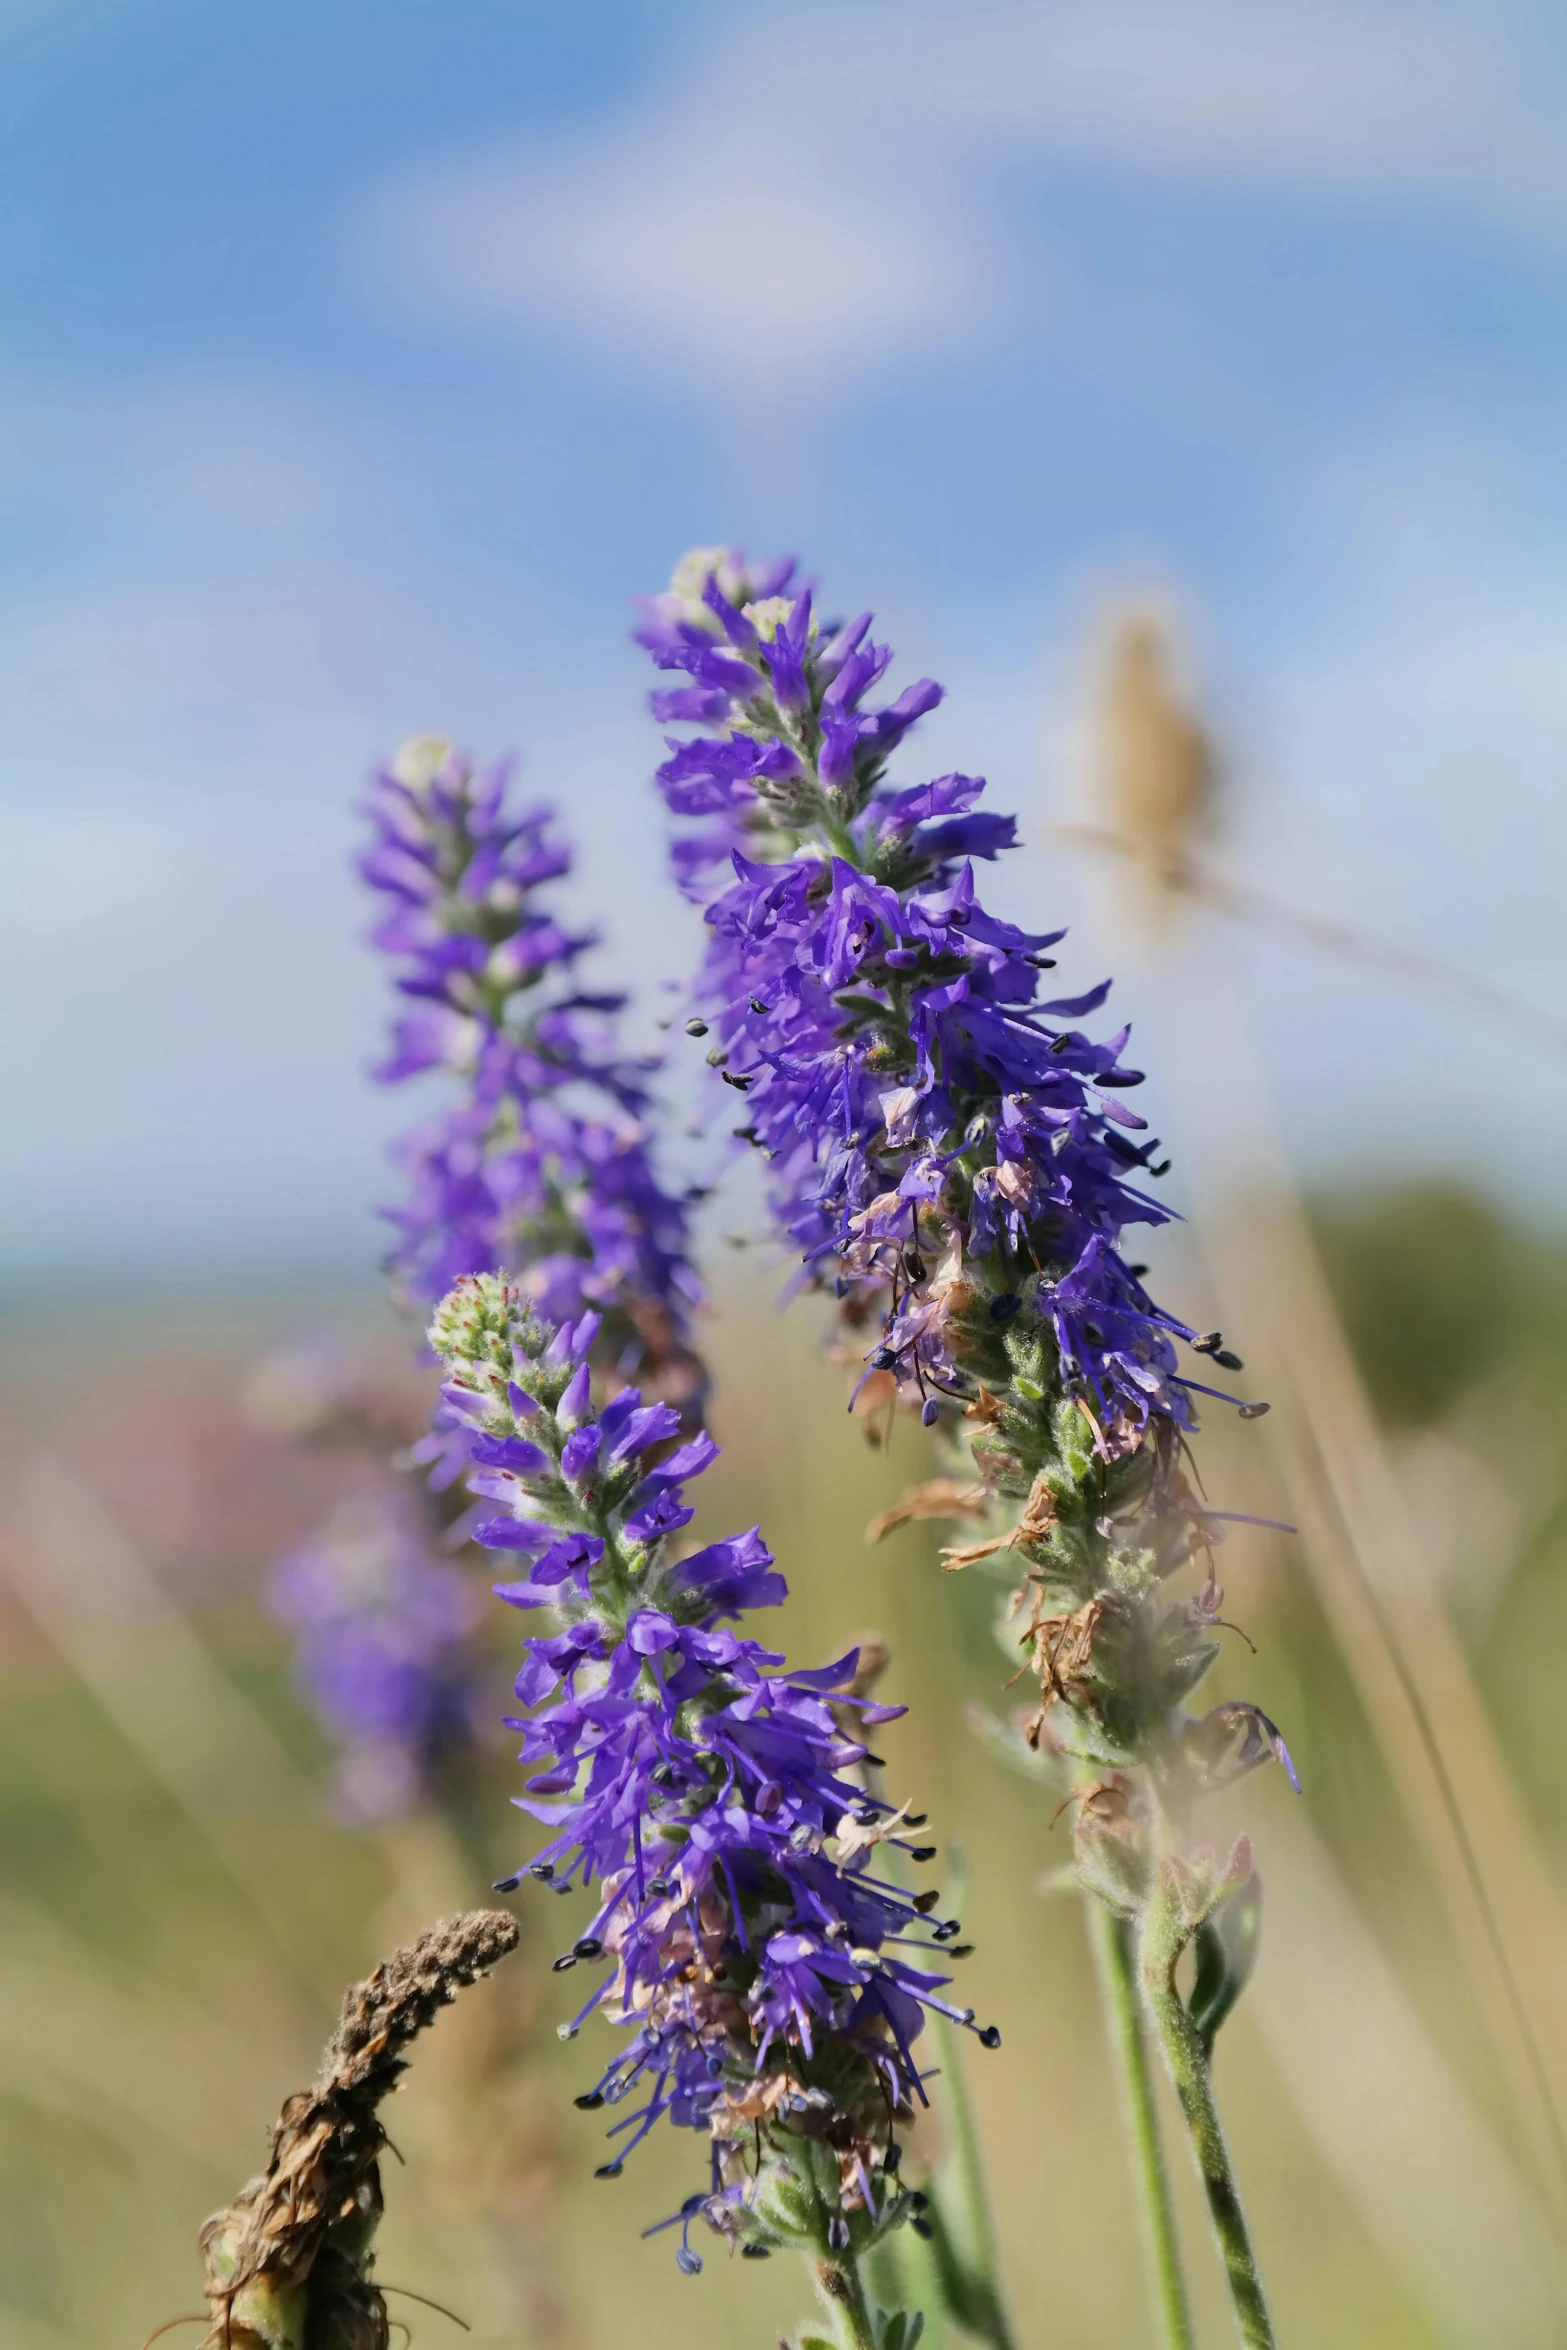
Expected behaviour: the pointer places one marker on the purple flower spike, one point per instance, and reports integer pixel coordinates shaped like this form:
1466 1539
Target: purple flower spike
540 1164
905 1082
772 1979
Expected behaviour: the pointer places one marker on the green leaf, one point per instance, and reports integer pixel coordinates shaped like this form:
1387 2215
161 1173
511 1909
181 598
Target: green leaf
1226 1946
969 2296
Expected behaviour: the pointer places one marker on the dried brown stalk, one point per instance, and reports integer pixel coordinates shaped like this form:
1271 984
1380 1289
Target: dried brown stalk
288 2262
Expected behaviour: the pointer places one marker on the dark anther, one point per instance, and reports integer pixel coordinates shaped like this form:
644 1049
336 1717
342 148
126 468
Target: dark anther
740 1084
609 2170
892 2157
589 1947
696 1028
717 1057
948 1930
745 1134
867 1814
1209 1343
920 2200
915 1819
990 2037
922 1851
1002 1309
1061 1043
922 2228
1228 1360
1137 1271
659 1887
1253 1411
662 1775
878 1762
558 1966
1163 1167
560 1888
885 1359
755 2252
960 1950
757 1004
543 1870
1040 962
697 1192
589 2102
914 1264
926 1902
507 1884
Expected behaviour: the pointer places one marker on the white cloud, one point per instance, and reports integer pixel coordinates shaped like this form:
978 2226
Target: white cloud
1279 93
716 234
800 203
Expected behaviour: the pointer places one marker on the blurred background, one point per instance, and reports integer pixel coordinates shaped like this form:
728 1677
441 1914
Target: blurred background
1182 385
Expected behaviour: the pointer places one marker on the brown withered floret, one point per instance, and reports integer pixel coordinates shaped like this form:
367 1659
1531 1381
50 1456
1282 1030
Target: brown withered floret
1039 1515
937 1497
1061 1647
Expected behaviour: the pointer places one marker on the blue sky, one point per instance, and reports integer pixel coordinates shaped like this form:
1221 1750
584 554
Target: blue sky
359 358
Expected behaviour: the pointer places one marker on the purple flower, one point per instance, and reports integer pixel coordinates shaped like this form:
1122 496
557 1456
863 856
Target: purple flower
772 1980
945 1144
383 1625
540 1163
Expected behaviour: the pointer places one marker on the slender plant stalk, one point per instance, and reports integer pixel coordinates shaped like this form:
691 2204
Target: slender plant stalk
988 2316
983 2311
1165 1935
1115 1959
843 2289
836 2267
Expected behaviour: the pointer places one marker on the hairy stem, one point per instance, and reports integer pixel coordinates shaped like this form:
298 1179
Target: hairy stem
1115 1960
836 2266
1165 1934
982 2310
842 2287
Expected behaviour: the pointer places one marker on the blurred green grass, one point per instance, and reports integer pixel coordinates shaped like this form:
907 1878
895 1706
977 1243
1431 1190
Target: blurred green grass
158 2002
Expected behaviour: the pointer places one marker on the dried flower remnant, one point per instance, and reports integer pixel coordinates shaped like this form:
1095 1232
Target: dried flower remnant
773 1982
290 2262
953 1154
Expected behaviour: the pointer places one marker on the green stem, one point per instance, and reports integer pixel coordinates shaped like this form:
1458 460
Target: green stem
986 2311
842 2287
844 2294
1114 1958
1165 1935
836 2268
